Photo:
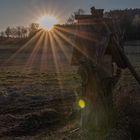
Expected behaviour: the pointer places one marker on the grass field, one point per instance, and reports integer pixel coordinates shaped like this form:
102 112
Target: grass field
31 87
38 97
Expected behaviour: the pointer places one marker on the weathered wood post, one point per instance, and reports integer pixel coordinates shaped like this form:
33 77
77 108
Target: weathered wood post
98 51
96 63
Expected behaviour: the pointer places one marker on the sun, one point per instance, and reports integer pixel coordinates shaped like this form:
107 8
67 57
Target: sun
47 22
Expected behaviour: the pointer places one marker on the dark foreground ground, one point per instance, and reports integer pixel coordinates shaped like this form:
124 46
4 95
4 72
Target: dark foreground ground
37 95
38 98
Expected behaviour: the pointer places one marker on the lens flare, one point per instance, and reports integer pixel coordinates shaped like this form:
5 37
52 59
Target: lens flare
82 103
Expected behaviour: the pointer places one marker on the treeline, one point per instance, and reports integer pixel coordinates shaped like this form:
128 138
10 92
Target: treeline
18 34
129 21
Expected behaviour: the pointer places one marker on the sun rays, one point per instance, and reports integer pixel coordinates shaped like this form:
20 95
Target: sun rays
46 46
49 50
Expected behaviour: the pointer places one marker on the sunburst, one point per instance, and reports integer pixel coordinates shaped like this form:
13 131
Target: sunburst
46 43
47 22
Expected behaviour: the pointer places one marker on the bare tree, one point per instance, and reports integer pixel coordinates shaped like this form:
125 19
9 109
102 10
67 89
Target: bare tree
8 32
13 32
2 34
24 31
34 26
79 12
19 32
33 29
71 19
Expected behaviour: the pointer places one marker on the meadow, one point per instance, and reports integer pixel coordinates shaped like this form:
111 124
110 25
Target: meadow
36 89
38 97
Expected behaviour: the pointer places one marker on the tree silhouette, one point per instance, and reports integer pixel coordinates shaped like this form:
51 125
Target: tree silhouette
8 32
129 21
13 32
19 32
2 34
24 32
79 12
71 19
33 29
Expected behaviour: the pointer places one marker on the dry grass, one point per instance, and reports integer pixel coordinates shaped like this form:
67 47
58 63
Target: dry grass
34 107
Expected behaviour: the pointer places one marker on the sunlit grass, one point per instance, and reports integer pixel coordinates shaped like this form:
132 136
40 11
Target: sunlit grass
26 45
60 44
44 57
48 45
35 51
55 58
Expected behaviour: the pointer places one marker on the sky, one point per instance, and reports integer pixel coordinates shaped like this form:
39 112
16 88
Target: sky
23 12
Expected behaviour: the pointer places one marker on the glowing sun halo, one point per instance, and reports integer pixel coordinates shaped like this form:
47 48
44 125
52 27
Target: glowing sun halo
47 22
